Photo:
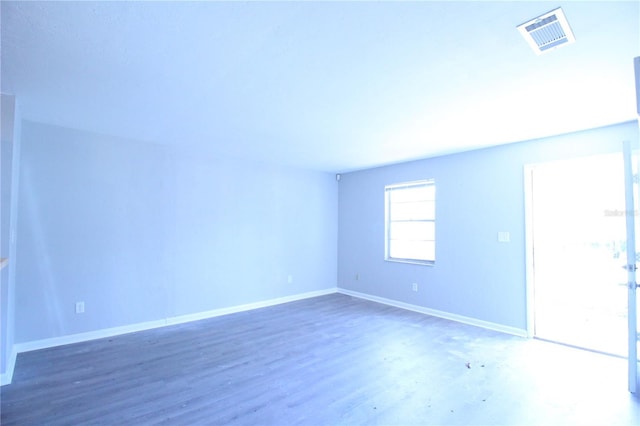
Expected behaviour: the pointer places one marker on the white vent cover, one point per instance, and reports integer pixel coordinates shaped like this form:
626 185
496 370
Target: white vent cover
547 32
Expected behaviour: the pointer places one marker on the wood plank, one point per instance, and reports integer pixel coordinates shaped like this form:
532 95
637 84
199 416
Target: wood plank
323 361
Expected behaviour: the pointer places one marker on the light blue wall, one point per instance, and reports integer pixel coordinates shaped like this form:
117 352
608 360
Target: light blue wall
142 232
247 228
479 193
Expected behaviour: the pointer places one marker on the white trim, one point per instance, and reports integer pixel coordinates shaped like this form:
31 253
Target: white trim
116 331
440 314
388 190
35 345
529 269
411 261
248 307
412 184
7 376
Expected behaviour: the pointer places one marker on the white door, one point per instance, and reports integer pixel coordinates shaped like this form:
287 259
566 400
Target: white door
631 191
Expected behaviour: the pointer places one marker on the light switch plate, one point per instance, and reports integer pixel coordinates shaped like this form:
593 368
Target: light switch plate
504 237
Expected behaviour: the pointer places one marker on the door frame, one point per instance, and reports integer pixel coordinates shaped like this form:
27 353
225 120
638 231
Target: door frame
528 222
631 194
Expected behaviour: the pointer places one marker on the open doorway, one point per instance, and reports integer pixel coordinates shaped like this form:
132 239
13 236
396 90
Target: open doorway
577 231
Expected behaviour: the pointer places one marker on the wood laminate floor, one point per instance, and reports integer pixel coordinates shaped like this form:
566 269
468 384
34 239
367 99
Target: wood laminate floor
329 360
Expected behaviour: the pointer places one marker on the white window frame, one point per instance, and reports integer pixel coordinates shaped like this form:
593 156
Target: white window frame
422 260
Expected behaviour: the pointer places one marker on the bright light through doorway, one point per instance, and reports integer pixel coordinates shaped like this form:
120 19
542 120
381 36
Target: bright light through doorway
578 248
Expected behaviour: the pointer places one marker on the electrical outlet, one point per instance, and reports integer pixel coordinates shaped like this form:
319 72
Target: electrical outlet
414 286
357 277
79 307
290 279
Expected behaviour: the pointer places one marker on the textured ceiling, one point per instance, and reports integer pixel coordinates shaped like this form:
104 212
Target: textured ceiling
322 85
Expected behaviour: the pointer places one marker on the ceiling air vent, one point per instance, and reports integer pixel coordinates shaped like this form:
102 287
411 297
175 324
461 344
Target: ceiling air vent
547 32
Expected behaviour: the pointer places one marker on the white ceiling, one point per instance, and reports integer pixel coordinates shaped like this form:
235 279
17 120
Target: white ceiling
334 86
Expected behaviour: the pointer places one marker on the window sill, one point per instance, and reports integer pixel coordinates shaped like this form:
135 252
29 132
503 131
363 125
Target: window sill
412 262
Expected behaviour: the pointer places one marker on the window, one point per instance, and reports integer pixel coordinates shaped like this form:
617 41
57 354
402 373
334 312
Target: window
410 219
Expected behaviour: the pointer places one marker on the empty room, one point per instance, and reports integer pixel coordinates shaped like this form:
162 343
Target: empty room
319 213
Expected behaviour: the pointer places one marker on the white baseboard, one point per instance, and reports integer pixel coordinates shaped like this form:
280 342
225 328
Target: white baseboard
436 313
7 376
35 345
248 307
115 331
